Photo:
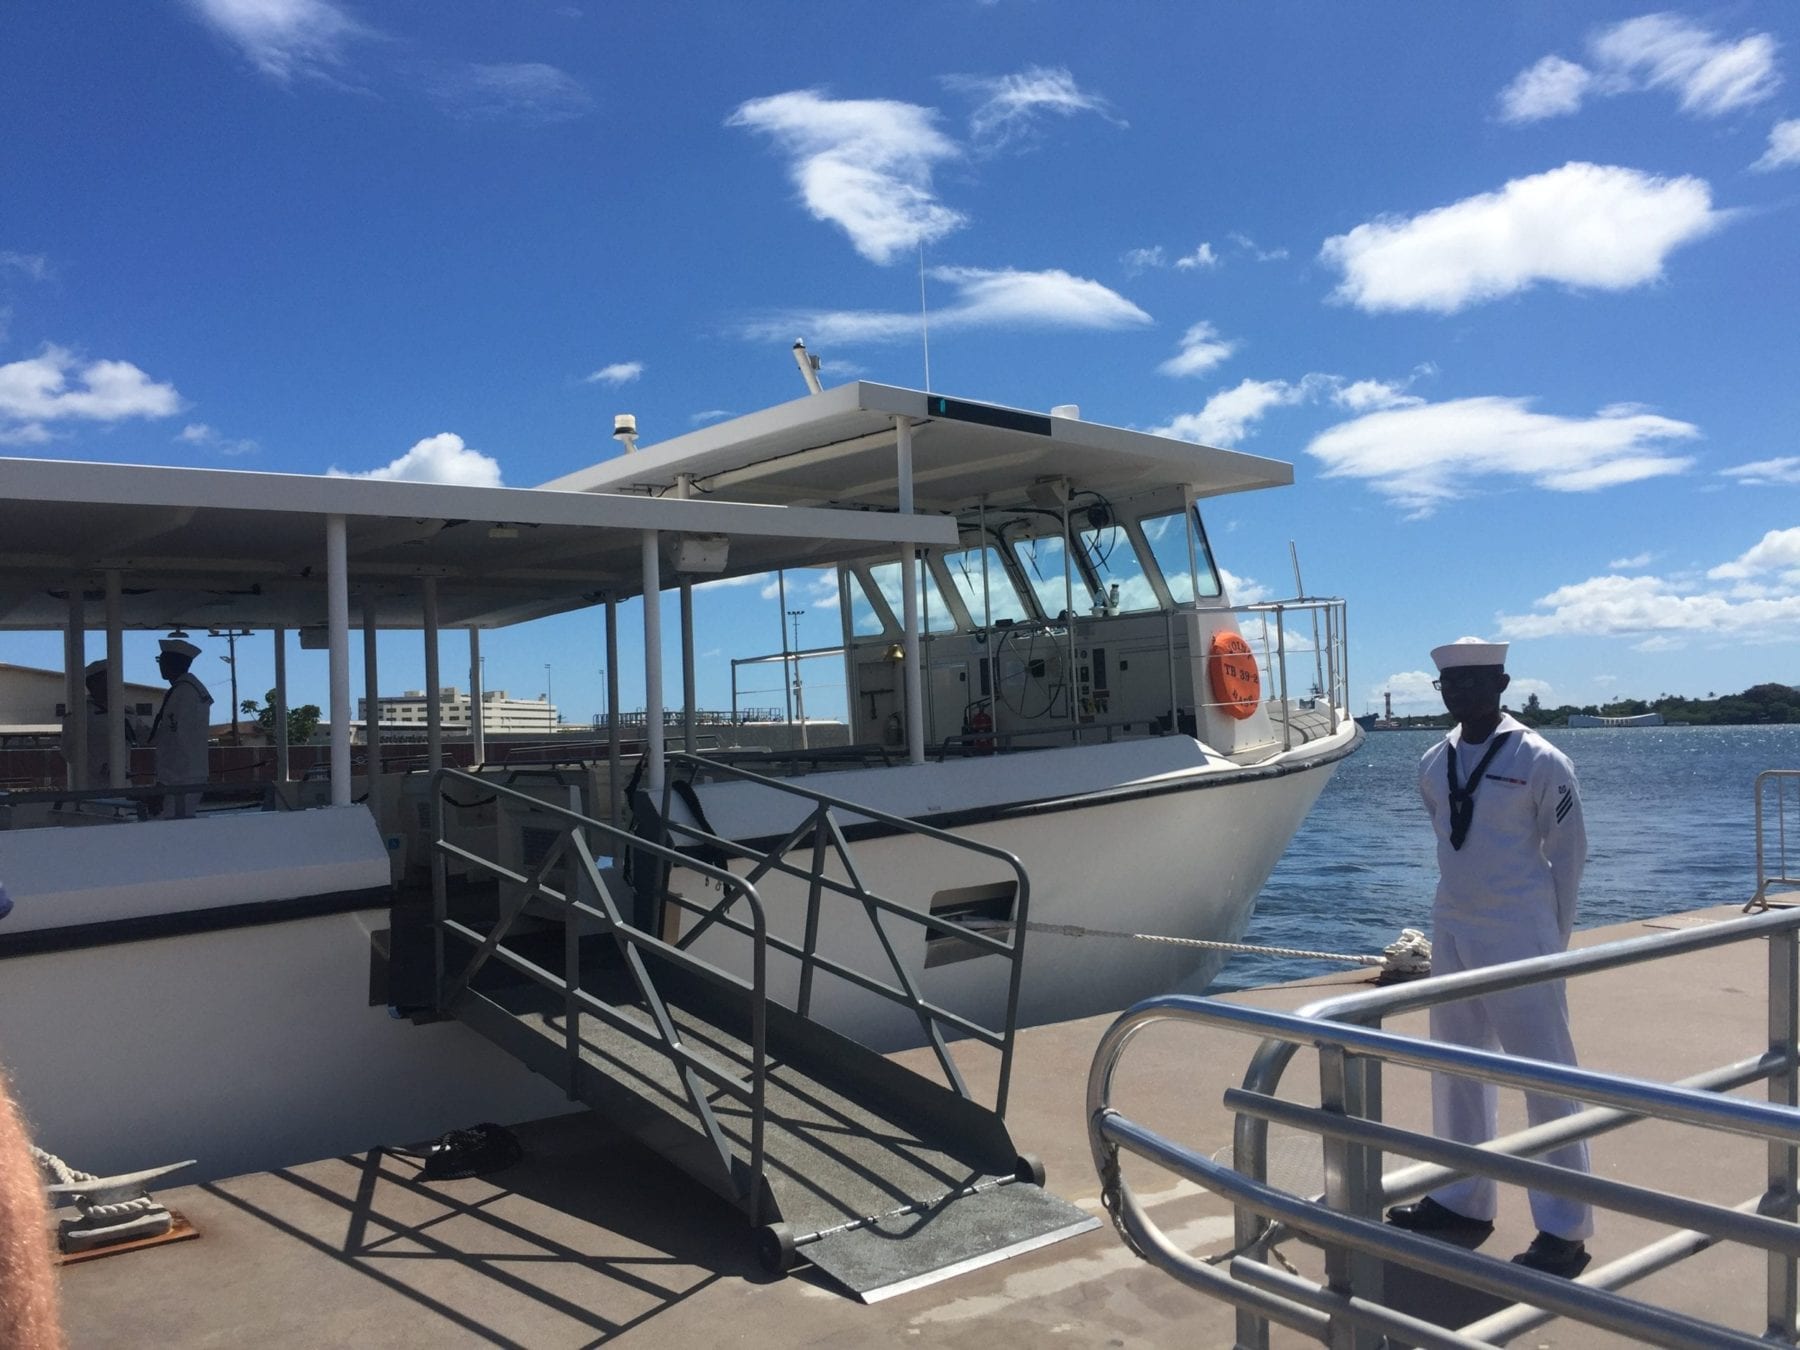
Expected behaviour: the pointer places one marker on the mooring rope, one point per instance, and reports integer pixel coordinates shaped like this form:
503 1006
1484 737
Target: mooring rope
53 1166
1408 952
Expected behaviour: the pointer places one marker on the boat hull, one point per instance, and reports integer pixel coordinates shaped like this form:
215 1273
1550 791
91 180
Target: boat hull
1180 856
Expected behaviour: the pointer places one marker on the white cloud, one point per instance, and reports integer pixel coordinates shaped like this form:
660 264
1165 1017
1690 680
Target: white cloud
199 433
1142 259
1229 415
525 91
1200 257
1428 453
1551 88
1784 147
442 458
708 415
1591 226
26 433
1248 245
1780 472
863 165
1369 395
1709 76
1011 104
1201 349
1412 689
55 385
283 38
1245 591
619 372
985 298
34 265
1657 610
1776 551
1630 564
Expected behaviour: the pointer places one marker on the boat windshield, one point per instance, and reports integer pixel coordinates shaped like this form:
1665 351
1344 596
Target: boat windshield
1115 562
1041 560
934 613
965 570
1169 546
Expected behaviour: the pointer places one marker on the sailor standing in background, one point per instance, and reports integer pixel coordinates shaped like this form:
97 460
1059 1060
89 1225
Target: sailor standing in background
99 734
1510 847
182 726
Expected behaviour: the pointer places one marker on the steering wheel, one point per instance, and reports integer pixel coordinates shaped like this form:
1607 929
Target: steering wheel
1033 665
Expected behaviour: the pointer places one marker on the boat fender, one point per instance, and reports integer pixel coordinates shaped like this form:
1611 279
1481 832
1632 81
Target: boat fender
1231 669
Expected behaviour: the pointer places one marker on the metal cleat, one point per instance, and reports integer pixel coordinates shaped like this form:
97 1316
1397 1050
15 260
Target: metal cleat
112 1209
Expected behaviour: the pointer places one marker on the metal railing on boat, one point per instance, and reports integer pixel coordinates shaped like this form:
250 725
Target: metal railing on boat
1347 1310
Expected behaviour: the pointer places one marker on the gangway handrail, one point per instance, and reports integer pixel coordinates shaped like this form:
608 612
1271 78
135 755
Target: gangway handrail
822 829
631 941
1352 1047
1780 876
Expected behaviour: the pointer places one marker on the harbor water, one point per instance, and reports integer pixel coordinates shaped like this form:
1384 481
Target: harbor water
1670 818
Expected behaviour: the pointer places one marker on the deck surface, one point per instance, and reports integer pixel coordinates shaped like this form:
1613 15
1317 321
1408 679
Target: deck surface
592 1240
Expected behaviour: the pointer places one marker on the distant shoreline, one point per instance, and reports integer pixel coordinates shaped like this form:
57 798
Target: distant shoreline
1759 705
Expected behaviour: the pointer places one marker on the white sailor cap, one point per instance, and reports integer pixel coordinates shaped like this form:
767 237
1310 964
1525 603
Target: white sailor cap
95 667
180 647
1469 651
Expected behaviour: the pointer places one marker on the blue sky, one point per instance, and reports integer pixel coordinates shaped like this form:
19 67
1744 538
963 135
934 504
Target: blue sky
1514 286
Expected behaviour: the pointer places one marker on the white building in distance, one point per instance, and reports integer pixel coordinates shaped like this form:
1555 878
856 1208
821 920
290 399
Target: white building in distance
499 712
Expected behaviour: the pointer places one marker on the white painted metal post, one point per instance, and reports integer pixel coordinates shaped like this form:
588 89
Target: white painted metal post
372 714
477 723
279 712
653 687
337 600
118 750
684 488
434 711
75 648
614 783
911 676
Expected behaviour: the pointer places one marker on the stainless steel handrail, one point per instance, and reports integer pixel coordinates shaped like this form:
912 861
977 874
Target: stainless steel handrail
823 831
1352 1049
1781 875
632 940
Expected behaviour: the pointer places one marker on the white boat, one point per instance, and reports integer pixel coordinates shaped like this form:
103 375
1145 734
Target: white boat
1061 695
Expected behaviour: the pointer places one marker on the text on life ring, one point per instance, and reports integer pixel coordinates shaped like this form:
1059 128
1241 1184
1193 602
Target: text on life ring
1236 685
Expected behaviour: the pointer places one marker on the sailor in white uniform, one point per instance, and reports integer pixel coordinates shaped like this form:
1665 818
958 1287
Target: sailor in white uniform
1511 844
99 731
183 723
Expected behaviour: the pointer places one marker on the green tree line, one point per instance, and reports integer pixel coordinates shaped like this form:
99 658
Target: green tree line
1760 704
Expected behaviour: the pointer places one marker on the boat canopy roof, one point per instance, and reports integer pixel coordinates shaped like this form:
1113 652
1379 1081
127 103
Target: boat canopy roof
836 448
208 548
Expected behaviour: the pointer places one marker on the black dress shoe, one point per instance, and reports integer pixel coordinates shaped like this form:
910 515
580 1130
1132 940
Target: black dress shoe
1428 1216
1566 1257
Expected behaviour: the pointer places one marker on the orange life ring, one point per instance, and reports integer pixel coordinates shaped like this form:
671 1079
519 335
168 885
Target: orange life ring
1231 670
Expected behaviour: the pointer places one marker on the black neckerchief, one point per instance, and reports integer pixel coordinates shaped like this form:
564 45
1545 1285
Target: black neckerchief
1462 800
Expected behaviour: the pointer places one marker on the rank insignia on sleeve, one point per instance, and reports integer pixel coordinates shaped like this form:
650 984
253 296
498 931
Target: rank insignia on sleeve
1565 799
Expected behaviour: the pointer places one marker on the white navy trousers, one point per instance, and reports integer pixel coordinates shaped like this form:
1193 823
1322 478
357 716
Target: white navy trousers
1533 1023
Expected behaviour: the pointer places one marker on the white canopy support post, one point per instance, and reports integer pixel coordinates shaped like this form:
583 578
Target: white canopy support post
990 658
787 671
118 749
653 686
337 610
684 488
914 701
1068 680
614 783
372 713
434 711
477 695
74 659
278 708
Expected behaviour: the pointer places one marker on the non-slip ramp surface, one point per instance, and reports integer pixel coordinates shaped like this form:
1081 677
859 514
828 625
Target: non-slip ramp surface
909 1251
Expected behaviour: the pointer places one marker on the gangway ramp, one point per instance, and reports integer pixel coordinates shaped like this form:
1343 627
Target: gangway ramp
880 1176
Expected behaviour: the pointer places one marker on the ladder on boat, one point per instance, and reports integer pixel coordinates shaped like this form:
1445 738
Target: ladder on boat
884 1178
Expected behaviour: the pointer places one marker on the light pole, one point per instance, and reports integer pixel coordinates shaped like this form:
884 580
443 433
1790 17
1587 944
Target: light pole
799 695
231 635
549 703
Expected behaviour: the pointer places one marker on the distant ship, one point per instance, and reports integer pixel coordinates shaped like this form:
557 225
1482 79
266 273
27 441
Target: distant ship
1385 722
1649 719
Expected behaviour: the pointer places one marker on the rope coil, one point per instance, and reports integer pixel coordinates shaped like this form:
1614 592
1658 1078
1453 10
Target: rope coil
64 1175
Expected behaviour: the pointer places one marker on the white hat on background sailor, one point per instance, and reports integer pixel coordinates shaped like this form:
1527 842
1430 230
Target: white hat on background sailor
1469 651
179 647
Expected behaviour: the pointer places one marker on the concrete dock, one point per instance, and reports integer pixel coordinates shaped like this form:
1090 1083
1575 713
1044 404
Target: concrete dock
592 1240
